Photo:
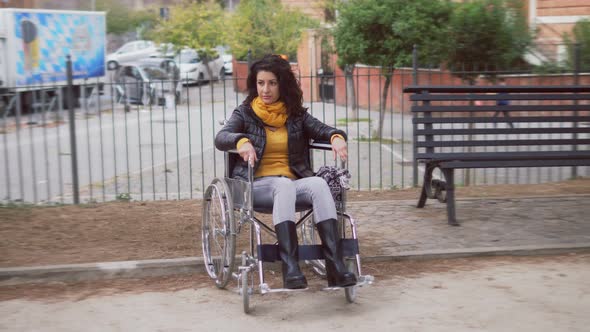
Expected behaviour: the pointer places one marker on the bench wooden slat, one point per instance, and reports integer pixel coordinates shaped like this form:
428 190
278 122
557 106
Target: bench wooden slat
512 155
509 142
515 163
493 108
502 119
498 88
501 96
501 131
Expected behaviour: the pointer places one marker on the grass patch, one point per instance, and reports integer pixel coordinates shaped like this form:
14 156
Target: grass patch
16 205
123 197
344 121
381 140
20 205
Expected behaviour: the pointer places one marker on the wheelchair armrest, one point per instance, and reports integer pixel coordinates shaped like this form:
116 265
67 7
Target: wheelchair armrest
327 146
320 145
250 166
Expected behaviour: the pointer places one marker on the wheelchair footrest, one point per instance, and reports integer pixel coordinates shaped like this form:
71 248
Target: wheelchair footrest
270 252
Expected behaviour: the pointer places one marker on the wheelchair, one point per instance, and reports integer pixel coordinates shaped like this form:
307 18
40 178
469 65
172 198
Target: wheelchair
228 208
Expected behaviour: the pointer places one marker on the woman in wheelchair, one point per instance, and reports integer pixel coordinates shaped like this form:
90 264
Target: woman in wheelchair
271 130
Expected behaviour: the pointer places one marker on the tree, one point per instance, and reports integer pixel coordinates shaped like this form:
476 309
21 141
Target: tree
581 37
383 33
266 27
197 25
120 19
486 36
117 16
144 22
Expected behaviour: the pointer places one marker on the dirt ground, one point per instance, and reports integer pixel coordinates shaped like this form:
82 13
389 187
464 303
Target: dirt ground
116 231
527 294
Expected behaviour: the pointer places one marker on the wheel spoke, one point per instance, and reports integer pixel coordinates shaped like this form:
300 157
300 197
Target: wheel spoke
217 233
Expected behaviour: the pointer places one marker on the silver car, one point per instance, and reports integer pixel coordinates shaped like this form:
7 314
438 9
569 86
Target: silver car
130 52
148 82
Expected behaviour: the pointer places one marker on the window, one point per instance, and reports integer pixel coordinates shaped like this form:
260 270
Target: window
155 73
129 47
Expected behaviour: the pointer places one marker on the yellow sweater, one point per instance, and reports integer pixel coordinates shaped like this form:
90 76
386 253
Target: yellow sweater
276 155
275 160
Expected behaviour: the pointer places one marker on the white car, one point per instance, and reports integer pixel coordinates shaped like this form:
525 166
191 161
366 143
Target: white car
228 63
193 70
132 51
227 59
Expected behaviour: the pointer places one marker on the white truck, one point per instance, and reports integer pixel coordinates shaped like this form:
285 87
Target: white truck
34 45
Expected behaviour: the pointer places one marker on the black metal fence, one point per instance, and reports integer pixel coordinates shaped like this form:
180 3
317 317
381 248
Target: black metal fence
113 148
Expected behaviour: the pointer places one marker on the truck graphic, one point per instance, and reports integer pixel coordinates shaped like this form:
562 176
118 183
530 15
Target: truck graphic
34 45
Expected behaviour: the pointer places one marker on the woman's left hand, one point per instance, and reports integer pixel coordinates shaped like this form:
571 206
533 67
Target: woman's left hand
339 147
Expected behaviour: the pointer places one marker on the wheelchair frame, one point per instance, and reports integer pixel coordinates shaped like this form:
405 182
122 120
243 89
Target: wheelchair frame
227 198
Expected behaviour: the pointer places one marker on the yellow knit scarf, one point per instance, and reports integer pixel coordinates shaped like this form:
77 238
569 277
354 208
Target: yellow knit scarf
273 115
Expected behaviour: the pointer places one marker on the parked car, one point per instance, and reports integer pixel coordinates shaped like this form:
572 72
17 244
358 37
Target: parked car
131 51
228 65
193 70
138 50
167 64
165 50
225 54
147 82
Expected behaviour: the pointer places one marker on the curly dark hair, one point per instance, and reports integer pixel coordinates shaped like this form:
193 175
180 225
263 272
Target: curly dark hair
289 89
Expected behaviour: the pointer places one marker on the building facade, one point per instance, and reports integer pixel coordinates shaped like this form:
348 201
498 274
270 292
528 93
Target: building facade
47 4
551 19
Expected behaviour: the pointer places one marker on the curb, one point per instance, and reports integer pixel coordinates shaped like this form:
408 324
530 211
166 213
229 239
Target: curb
188 265
98 271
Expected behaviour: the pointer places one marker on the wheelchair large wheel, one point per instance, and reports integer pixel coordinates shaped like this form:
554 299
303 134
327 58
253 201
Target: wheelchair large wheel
218 232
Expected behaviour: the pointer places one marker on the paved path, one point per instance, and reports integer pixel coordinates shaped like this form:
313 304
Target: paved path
549 294
394 228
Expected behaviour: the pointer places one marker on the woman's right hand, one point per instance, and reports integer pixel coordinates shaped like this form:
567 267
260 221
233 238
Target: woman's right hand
247 152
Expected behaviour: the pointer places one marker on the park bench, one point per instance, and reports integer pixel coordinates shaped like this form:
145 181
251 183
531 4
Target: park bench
464 127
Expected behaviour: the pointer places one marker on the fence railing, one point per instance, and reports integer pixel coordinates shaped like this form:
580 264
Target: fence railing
164 149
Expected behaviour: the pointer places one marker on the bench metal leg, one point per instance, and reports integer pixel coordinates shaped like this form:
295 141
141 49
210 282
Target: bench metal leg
425 186
450 196
423 198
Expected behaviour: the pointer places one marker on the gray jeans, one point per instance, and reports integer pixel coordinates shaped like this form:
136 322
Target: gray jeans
284 192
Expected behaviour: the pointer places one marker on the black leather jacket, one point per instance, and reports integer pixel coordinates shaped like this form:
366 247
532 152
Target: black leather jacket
301 129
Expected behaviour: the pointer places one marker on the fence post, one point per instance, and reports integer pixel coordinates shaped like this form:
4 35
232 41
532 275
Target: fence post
72 119
577 64
249 59
414 125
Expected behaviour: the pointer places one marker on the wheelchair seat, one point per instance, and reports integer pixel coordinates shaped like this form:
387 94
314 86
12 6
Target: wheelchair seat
263 204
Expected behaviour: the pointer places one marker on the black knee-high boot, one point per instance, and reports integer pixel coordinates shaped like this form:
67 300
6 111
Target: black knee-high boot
336 272
293 278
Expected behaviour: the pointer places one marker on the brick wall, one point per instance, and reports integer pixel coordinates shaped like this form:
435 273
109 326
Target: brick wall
550 33
563 7
369 84
17 4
